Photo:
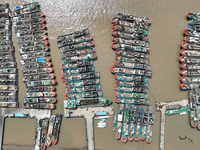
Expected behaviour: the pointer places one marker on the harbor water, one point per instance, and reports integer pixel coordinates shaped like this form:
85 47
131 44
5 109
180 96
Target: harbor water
165 35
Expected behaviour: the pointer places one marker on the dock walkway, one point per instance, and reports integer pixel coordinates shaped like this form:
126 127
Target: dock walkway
88 114
162 106
32 113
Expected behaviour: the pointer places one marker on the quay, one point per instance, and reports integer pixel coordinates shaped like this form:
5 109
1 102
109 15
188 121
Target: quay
162 106
31 113
88 114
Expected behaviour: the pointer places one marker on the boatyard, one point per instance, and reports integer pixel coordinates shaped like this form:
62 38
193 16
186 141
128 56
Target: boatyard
67 71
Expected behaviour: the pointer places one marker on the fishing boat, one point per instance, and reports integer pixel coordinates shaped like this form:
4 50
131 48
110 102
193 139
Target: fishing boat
80 39
33 27
190 72
73 35
78 52
46 70
26 11
10 76
83 88
82 76
127 89
193 112
126 47
36 55
36 65
26 39
135 101
182 110
40 83
188 60
7 59
185 79
114 122
26 6
132 60
38 77
44 128
190 39
38 32
121 22
78 70
193 33
116 70
129 36
40 94
32 43
8 104
190 85
125 77
120 114
33 60
86 102
4 5
40 88
90 94
77 83
191 53
50 130
129 29
193 15
132 120
134 18
196 95
132 65
144 124
131 54
89 56
193 27
8 70
124 136
190 46
27 16
39 106
56 130
33 49
190 66
150 125
6 53
5 37
131 42
76 46
39 100
29 21
131 95
132 83
80 63
8 98
8 82
8 87
137 132
11 64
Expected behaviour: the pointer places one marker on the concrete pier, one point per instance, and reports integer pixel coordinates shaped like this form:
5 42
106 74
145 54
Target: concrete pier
88 114
162 106
32 113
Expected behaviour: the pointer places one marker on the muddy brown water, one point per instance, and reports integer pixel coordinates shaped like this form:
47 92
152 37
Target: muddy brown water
165 33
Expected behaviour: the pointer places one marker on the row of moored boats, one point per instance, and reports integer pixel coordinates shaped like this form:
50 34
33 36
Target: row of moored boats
81 80
49 131
190 54
8 67
190 65
132 71
133 123
30 29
